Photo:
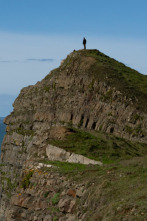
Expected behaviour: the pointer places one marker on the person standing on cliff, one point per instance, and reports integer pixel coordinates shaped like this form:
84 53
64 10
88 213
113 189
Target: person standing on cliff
84 43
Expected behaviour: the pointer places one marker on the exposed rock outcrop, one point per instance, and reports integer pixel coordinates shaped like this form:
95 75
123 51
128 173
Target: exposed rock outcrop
83 92
57 154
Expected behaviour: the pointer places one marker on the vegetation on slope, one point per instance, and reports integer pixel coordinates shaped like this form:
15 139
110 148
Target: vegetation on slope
99 146
113 192
130 82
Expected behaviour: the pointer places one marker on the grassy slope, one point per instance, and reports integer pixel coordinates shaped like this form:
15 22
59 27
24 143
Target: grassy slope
99 146
112 192
116 191
130 82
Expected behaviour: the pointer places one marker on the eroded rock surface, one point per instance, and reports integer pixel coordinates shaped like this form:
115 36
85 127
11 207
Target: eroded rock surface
57 154
71 95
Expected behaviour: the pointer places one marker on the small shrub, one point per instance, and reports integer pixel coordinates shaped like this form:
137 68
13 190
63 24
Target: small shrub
55 199
26 180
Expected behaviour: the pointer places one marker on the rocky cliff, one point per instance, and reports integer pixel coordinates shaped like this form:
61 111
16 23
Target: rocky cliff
91 109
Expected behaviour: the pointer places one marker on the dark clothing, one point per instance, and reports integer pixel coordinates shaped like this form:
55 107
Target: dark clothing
84 43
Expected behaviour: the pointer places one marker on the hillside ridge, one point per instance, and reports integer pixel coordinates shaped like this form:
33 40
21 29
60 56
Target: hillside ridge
92 108
92 93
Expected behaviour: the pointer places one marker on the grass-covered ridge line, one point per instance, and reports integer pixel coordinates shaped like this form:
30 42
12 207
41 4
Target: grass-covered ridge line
100 146
130 82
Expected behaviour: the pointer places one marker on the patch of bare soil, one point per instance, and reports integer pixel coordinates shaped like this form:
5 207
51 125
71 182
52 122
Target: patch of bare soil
59 132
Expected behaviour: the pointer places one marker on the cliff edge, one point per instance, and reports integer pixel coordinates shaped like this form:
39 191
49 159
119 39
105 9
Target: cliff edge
65 137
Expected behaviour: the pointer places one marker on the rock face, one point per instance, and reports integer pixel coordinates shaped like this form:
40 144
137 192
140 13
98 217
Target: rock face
57 154
83 92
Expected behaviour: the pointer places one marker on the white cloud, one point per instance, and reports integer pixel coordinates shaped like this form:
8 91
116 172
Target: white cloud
40 59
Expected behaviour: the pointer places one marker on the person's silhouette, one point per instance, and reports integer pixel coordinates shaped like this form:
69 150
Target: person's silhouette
84 43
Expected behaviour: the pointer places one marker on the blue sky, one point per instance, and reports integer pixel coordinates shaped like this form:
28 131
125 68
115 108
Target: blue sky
35 35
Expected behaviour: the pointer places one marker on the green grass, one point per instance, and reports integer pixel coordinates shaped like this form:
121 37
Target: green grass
23 132
55 218
99 146
115 191
111 192
130 82
65 166
56 199
2 165
26 180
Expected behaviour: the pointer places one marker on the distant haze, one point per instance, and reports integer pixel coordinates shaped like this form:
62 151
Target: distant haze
6 102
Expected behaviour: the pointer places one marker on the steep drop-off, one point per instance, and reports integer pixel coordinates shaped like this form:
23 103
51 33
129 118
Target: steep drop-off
93 106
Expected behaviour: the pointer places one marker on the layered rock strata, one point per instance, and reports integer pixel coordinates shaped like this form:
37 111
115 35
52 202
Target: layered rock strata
70 95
